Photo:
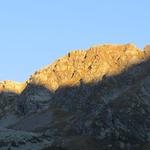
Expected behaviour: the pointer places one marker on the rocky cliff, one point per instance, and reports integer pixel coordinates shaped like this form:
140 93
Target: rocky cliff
89 99
82 66
11 86
87 65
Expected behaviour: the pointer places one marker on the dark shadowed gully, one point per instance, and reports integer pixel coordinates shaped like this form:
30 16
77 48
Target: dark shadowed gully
97 99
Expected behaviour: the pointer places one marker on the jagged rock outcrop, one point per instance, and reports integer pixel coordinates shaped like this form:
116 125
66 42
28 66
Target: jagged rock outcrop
11 86
88 66
9 91
93 99
84 66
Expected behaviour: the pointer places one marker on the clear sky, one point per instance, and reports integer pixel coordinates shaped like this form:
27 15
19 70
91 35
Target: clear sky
33 33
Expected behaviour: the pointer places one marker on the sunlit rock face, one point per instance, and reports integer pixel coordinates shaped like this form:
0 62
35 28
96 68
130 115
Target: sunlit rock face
92 99
87 65
77 67
11 86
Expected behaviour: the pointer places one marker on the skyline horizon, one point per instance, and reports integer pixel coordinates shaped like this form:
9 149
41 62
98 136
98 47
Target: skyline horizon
33 34
67 53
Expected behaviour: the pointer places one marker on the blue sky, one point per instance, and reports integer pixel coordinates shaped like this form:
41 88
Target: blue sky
33 33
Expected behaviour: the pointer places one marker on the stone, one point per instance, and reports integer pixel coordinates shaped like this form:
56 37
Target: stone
89 99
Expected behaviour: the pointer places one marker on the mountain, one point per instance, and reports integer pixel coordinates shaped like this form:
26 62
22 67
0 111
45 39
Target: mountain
93 99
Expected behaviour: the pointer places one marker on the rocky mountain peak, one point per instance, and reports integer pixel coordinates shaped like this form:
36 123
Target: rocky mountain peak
91 99
83 65
88 65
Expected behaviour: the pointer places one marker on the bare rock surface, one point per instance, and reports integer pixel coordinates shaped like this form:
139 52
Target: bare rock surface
11 86
89 99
